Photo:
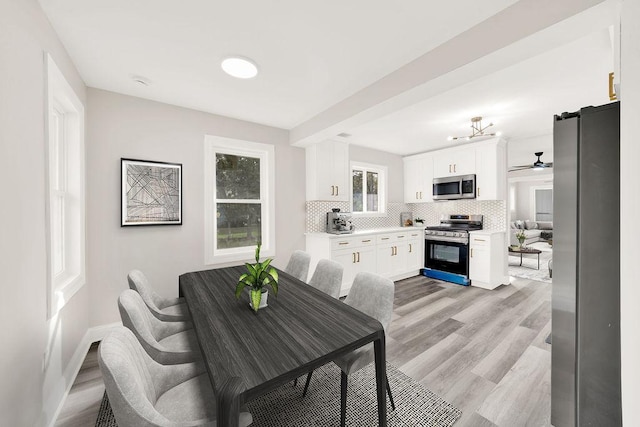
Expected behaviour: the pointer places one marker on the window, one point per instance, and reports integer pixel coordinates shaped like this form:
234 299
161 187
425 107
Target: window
368 189
239 199
65 201
543 204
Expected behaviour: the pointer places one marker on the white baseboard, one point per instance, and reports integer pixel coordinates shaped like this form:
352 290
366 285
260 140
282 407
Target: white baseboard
92 335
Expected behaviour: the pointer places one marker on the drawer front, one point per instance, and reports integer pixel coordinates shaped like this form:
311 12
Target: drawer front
415 235
479 241
352 242
385 239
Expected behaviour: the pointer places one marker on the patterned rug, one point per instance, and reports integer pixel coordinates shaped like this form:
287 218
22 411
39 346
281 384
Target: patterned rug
415 405
530 262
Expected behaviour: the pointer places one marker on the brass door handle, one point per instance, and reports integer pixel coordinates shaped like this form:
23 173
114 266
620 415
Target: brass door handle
337 190
416 195
478 191
358 256
353 256
333 190
471 253
410 247
421 195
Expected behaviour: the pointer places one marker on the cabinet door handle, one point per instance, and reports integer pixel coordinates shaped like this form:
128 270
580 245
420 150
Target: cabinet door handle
366 241
454 167
449 168
343 243
337 190
421 195
479 240
471 253
400 237
384 238
333 190
353 256
416 195
358 256
410 247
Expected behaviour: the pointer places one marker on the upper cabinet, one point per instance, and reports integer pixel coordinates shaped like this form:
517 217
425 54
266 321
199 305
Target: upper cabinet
418 178
327 165
486 159
453 162
491 171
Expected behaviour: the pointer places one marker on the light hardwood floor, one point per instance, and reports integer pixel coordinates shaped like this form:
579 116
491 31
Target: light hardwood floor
483 351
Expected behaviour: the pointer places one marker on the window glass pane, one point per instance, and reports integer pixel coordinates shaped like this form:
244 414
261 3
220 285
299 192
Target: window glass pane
237 177
238 224
372 191
357 190
544 205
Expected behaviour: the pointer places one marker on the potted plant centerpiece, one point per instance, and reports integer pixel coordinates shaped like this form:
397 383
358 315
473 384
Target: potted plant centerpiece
520 236
257 277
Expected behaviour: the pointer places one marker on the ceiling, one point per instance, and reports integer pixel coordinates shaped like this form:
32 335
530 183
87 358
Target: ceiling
313 56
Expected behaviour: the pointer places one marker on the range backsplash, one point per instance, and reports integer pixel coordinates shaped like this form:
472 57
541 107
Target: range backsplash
494 211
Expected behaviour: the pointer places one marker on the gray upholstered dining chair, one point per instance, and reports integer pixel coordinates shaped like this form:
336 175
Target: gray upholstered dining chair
327 277
168 309
298 265
143 392
166 342
373 295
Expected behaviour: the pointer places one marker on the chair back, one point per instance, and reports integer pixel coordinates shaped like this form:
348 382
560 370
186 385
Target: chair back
373 295
128 379
298 265
327 277
139 283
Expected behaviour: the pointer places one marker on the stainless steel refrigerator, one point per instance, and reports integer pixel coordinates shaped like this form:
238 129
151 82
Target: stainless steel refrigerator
585 349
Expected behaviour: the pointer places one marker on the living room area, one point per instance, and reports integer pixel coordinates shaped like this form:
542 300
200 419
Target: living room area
531 225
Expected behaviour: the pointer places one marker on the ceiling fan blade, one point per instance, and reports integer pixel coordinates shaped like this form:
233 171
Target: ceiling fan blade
548 165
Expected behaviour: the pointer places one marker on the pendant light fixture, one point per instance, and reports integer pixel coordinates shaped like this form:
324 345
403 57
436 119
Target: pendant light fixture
477 130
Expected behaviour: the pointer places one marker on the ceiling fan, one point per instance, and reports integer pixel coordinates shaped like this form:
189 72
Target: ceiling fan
538 165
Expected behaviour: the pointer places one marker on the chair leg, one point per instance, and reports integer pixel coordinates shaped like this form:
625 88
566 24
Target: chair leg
343 399
393 405
306 386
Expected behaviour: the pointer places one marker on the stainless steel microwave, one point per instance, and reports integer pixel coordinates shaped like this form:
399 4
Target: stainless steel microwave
454 187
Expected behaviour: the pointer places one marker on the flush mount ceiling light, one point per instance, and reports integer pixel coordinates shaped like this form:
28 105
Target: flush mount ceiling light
477 130
239 67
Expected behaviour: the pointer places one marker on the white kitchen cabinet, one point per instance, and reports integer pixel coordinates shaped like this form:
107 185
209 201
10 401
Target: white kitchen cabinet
491 171
327 165
452 162
418 179
395 253
488 259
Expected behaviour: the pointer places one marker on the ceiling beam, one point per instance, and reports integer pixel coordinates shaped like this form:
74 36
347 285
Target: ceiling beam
508 37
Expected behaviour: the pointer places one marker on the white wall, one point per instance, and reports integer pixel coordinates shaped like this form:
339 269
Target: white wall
30 387
629 207
395 166
123 126
524 206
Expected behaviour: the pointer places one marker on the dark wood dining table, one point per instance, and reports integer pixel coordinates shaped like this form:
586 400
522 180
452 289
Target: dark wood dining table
248 354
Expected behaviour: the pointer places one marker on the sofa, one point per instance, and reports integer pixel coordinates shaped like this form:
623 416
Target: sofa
534 231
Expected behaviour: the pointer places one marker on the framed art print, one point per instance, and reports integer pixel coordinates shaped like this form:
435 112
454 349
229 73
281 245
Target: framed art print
151 193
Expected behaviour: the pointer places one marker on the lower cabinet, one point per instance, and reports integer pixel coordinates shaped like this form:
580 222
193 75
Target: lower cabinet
488 259
396 255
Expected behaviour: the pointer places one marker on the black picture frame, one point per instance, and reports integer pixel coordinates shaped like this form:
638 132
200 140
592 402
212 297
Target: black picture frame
151 193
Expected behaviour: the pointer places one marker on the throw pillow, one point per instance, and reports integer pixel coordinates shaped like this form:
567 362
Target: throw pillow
520 224
530 225
545 225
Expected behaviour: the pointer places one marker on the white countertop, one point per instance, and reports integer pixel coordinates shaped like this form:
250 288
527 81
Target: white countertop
486 232
366 232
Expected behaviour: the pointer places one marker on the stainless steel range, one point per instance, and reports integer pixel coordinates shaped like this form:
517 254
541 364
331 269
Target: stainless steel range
446 250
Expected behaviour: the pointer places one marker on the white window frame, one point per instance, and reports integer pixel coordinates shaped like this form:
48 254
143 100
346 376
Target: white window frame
266 153
65 181
382 188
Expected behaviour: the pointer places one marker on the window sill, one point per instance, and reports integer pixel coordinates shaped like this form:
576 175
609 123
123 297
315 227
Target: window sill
245 256
369 214
65 290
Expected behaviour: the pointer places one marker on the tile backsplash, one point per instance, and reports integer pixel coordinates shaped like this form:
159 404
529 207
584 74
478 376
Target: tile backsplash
494 212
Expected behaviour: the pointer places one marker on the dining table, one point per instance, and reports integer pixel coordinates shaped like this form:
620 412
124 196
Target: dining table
248 353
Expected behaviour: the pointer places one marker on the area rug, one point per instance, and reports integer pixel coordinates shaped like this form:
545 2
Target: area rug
530 262
285 406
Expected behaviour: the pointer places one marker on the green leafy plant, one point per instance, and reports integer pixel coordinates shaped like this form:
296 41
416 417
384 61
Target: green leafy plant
258 276
521 236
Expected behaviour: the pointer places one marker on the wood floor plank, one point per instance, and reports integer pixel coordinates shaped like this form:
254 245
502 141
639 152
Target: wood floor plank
470 391
539 318
419 366
512 402
497 363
